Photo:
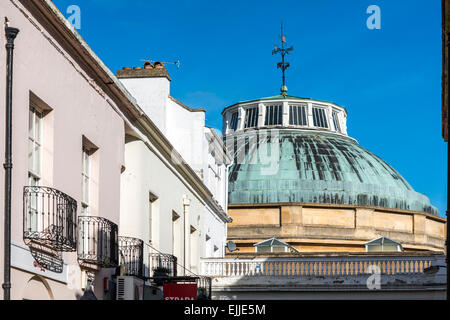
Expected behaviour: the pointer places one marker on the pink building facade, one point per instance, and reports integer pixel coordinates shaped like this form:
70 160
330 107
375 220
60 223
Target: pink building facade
68 141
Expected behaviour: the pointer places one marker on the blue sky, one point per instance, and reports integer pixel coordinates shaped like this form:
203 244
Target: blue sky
389 79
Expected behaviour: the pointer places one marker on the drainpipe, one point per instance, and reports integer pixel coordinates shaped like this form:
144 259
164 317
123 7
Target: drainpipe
11 34
186 234
447 241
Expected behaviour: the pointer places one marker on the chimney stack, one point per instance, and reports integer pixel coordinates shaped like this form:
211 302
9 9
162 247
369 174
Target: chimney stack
150 86
155 70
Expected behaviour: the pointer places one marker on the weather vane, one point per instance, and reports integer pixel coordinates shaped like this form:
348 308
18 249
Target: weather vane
283 65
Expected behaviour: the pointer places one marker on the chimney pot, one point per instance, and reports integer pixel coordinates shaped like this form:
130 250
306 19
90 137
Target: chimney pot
148 65
158 65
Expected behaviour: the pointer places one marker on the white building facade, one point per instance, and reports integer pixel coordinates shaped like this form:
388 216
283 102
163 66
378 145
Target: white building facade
174 187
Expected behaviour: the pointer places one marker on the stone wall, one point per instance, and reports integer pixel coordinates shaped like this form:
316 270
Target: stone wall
322 228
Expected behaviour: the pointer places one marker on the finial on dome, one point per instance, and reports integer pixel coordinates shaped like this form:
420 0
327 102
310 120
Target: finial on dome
283 65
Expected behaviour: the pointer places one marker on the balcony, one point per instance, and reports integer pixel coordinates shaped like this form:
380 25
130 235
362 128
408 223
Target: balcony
328 275
204 288
49 218
98 242
131 254
162 265
317 266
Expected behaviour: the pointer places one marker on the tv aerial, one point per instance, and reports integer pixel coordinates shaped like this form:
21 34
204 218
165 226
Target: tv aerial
231 246
177 63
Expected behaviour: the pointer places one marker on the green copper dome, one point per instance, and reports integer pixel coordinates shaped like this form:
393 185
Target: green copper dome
307 166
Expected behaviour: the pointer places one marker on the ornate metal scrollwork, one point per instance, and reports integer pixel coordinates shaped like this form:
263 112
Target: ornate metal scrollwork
98 242
49 218
163 265
131 255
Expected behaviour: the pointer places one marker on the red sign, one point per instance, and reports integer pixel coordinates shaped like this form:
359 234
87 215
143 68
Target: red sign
175 291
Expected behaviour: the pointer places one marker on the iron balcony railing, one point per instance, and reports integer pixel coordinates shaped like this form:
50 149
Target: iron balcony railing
131 256
204 288
162 265
49 218
98 241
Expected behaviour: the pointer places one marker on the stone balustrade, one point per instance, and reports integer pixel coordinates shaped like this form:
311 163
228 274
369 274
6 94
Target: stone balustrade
315 266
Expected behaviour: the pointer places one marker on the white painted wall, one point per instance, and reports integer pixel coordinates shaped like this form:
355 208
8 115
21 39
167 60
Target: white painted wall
184 129
145 172
151 95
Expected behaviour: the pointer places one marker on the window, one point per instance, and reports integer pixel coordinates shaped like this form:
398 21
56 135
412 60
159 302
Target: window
274 115
319 117
85 181
251 117
336 121
297 115
34 146
273 245
383 244
234 121
34 166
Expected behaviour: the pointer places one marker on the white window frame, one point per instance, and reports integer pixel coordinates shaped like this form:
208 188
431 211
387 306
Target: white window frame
271 115
85 181
296 107
35 146
35 116
234 114
286 248
85 189
336 121
322 118
256 116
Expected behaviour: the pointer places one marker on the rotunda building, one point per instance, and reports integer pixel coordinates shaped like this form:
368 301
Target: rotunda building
298 179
